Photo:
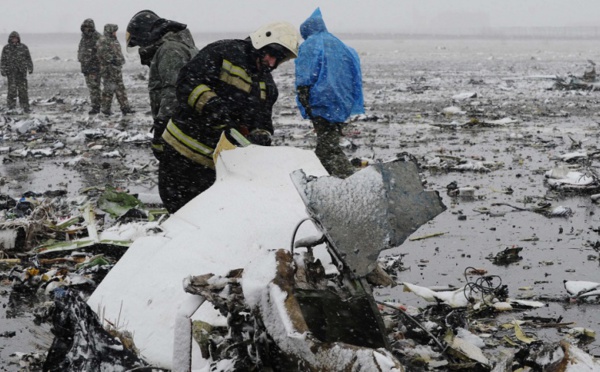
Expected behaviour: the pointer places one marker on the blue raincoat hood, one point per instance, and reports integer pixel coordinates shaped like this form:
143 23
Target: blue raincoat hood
312 25
332 71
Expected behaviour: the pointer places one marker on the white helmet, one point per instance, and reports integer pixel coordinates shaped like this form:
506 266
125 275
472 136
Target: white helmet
279 33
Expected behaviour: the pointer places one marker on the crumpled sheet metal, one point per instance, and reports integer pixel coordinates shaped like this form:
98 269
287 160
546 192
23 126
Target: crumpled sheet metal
374 209
293 336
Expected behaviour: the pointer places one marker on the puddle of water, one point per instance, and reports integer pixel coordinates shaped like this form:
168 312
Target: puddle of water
560 253
27 338
39 176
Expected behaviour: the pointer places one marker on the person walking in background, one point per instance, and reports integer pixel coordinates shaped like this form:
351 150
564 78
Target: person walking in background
227 88
90 65
111 65
15 63
329 90
165 46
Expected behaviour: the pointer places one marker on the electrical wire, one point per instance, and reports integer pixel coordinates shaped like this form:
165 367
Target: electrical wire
296 231
416 322
483 284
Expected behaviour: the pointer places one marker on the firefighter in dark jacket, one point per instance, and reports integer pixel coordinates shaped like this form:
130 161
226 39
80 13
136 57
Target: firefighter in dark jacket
226 88
165 46
15 63
87 54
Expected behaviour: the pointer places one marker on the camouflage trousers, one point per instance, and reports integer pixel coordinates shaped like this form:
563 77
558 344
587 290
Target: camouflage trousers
328 148
112 85
17 86
93 83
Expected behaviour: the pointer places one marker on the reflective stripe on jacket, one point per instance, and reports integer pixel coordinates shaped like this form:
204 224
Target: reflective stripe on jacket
221 88
187 146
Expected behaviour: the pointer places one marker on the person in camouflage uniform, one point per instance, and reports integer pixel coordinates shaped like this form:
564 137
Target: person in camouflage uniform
90 65
165 46
111 65
15 63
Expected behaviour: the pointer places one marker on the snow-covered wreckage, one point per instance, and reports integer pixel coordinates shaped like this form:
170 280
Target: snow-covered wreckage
268 267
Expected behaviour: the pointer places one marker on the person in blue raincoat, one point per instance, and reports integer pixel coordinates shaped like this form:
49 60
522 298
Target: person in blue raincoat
329 90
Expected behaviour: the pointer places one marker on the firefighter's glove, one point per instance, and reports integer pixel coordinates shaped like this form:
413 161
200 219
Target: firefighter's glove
260 137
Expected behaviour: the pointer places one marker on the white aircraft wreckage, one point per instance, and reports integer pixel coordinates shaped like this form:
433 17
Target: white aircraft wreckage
263 286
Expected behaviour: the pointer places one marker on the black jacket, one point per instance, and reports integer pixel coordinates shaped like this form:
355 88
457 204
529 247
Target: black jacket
15 58
220 88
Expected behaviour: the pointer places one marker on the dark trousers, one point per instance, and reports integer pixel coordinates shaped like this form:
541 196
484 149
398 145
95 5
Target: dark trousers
180 179
328 148
17 86
112 85
93 82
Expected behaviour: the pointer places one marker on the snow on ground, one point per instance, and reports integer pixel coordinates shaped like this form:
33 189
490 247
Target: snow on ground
252 209
408 83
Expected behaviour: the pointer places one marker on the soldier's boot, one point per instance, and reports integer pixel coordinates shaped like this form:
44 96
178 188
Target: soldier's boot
127 110
11 102
107 103
106 110
96 99
96 104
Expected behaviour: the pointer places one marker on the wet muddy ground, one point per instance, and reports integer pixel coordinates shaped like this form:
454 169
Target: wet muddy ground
409 86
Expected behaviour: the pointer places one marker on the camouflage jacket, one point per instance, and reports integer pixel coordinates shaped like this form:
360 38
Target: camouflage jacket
109 50
174 50
15 58
87 52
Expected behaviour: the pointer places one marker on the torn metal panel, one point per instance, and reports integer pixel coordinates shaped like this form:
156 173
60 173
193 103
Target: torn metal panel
374 209
338 331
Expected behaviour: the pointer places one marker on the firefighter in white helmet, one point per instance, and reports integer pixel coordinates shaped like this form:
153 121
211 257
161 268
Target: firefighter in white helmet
226 88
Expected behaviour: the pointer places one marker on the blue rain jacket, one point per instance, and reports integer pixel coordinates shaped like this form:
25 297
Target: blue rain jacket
332 71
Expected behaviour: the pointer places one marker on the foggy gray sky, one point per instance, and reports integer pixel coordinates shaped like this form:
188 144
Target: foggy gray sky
48 16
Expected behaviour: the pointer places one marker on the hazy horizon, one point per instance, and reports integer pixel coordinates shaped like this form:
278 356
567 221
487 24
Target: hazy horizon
499 32
349 16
